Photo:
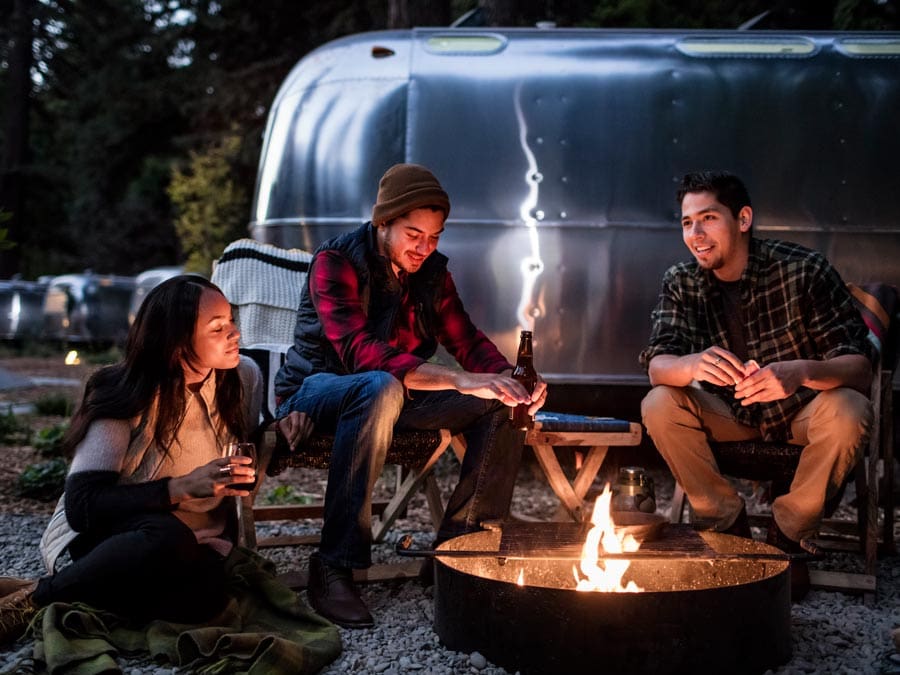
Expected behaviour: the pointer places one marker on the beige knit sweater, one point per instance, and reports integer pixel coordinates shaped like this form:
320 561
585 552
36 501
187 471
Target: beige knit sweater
127 447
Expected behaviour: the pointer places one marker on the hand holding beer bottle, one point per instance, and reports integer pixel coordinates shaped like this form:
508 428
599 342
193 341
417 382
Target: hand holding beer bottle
525 374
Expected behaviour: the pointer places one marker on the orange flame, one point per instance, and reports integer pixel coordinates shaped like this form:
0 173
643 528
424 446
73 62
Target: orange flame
607 575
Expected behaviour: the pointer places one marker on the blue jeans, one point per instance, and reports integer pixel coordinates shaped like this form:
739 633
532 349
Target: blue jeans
362 410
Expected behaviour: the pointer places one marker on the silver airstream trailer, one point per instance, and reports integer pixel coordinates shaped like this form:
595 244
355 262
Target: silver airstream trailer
561 150
21 309
145 282
87 308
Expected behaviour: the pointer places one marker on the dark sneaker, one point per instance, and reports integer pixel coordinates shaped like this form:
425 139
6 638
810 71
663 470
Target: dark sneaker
799 569
333 594
799 580
16 611
775 537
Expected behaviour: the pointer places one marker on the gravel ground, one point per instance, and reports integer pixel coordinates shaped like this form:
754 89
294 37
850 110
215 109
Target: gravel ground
832 632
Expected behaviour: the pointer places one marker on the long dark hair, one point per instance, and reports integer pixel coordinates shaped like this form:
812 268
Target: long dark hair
159 343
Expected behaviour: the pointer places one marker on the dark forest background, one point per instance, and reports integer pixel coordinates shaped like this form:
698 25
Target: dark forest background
131 129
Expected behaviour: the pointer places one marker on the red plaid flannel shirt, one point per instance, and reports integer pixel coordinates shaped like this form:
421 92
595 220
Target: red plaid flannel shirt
334 289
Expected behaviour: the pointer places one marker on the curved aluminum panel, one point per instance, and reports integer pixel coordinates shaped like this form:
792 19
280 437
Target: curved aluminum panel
561 150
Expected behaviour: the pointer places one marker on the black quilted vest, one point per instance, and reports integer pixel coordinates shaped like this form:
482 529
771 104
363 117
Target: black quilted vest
381 296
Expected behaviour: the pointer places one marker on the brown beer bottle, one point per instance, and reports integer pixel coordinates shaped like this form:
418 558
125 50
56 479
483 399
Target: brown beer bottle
525 373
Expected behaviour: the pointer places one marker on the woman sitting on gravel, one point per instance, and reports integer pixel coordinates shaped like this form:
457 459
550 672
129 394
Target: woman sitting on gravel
146 514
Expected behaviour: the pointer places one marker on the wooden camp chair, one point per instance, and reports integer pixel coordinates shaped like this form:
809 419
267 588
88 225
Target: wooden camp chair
415 451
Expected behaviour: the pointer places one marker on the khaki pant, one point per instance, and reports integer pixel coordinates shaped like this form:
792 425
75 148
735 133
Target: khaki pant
833 427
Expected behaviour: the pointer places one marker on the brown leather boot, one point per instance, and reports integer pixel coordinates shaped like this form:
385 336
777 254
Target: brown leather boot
17 608
333 594
11 584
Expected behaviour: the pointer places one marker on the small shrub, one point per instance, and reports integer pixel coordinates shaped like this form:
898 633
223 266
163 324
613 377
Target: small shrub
59 405
286 494
49 440
44 481
28 347
13 431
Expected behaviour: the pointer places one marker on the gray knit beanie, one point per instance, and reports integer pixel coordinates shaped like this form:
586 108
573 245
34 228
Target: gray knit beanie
405 187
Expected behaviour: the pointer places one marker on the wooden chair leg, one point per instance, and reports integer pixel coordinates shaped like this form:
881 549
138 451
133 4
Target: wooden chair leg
401 498
458 445
886 493
871 526
863 502
435 501
676 511
431 488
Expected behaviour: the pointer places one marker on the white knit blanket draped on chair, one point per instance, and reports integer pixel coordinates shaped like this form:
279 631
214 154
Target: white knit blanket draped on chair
263 283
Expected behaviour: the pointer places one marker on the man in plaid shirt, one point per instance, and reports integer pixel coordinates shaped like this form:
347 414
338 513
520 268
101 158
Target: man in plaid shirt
754 339
378 302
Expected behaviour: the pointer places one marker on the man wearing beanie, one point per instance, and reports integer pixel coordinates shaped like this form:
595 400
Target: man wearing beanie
378 302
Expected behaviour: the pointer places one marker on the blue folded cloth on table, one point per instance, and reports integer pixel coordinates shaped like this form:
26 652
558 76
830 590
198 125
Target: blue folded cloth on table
552 421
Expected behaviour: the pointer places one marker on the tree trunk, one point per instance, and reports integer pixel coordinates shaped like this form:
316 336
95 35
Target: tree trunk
412 13
15 133
499 12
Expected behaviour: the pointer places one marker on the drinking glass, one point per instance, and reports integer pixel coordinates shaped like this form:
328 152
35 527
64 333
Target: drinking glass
247 450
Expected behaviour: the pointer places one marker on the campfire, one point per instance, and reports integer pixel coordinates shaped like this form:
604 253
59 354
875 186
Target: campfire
678 601
603 537
593 573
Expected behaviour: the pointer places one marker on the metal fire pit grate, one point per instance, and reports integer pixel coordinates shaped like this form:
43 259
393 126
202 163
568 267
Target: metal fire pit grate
565 540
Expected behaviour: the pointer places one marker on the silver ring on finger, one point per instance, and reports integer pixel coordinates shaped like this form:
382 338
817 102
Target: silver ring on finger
225 470
717 361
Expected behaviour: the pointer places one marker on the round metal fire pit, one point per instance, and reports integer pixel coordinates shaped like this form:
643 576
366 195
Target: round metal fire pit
722 614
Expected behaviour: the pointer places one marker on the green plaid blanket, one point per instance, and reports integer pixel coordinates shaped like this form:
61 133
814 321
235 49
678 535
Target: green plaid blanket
265 629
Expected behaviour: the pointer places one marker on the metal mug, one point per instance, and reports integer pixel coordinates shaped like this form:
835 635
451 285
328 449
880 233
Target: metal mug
634 491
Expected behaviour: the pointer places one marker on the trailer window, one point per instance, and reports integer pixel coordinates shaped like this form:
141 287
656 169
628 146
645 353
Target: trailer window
746 47
869 47
465 44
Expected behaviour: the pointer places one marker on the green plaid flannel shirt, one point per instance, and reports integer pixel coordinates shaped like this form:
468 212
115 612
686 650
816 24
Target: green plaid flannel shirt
795 306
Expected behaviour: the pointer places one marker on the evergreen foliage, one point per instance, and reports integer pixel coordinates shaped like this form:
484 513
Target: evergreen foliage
211 206
58 405
129 117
